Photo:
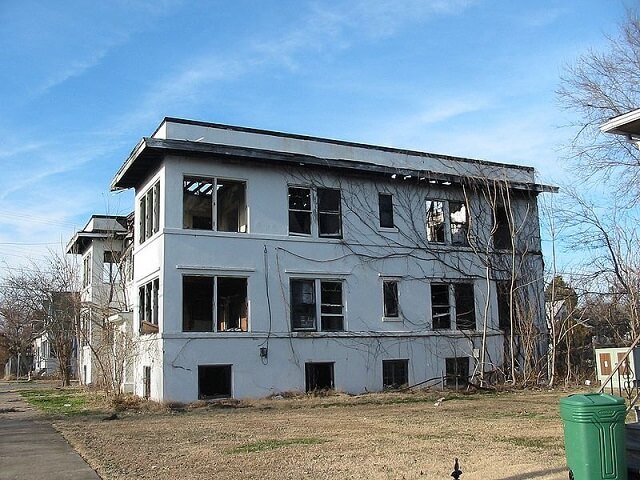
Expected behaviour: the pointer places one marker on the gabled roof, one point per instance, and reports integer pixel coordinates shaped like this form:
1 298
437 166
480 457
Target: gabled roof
177 136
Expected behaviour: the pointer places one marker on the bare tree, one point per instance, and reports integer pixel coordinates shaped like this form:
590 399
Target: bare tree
597 87
16 329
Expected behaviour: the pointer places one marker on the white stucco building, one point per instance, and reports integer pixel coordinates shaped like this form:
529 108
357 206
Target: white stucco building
267 262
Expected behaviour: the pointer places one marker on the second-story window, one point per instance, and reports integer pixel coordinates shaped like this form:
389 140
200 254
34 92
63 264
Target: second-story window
305 309
149 212
385 210
86 270
111 268
390 298
447 222
214 204
453 302
328 211
228 313
148 306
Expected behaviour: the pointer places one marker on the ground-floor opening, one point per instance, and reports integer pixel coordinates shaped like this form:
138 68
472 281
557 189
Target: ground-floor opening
457 371
214 381
318 376
395 373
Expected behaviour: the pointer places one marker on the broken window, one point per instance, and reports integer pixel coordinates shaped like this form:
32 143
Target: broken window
453 301
502 229
329 213
148 306
111 268
385 210
465 306
390 296
214 204
332 317
318 376
440 306
304 308
149 213
458 220
395 373
214 381
457 371
231 304
435 221
198 293
300 210
86 270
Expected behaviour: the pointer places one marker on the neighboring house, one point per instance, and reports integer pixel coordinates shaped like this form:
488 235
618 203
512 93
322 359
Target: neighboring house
627 124
268 262
45 361
104 244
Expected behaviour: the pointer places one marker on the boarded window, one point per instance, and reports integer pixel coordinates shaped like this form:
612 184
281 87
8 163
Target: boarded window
318 376
390 295
385 210
395 373
300 210
435 221
465 306
214 381
329 213
440 306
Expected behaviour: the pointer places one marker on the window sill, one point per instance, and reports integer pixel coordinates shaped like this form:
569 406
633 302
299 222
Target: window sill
388 229
392 319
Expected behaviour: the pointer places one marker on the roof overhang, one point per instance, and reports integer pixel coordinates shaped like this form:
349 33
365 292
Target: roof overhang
149 153
627 124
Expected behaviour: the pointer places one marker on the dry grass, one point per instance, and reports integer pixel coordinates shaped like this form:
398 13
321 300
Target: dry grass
514 436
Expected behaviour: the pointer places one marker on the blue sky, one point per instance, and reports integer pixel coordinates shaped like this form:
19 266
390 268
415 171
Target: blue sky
81 82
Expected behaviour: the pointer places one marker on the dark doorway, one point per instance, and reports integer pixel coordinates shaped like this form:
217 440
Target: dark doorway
214 381
318 376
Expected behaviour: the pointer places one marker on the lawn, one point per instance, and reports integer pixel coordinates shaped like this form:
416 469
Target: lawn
496 436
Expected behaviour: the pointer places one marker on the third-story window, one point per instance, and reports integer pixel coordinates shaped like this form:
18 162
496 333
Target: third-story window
305 309
435 221
86 270
502 230
149 212
453 302
390 295
300 210
385 210
214 204
458 221
447 222
329 213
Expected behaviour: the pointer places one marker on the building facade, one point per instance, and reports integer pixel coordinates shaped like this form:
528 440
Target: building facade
267 262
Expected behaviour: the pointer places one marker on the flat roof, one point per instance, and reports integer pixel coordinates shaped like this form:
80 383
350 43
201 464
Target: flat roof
627 124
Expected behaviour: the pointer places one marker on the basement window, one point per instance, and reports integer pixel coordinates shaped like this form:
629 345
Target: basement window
214 204
457 371
390 296
385 210
214 381
305 309
318 376
148 306
149 213
395 373
198 313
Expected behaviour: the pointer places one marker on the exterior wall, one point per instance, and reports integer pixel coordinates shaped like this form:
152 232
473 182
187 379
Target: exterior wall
269 257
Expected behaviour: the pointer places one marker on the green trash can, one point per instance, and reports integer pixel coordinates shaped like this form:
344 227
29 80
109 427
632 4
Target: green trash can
594 436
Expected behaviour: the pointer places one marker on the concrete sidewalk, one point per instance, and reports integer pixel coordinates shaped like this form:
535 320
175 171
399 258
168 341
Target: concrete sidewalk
30 448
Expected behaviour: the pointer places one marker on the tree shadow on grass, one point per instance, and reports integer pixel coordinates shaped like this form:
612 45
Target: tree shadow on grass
539 473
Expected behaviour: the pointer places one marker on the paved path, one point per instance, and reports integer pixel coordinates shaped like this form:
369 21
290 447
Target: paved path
30 448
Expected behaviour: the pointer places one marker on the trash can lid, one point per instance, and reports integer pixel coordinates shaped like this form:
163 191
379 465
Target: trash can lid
592 400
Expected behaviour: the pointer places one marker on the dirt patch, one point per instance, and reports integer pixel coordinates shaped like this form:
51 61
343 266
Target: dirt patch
499 436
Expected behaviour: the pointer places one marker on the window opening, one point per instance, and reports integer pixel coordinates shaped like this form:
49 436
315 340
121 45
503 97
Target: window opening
214 381
111 268
458 219
385 210
232 304
231 312
318 376
202 196
502 232
303 305
332 318
465 306
149 222
395 373
300 210
390 295
86 270
440 306
504 305
148 306
197 304
197 203
305 309
457 371
329 213
146 382
435 221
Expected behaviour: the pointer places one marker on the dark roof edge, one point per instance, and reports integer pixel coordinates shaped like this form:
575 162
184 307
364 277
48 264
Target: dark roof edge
336 142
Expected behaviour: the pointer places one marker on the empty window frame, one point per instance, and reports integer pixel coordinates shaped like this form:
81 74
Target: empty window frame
86 270
502 228
453 302
503 290
214 204
231 308
149 213
148 306
111 268
390 298
305 310
457 371
329 211
318 376
447 222
214 381
395 373
385 210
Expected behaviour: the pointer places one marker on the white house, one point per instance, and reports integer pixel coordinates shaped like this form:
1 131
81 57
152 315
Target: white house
267 262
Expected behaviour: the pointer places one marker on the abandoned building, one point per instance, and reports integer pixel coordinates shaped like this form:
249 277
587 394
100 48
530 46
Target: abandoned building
266 262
